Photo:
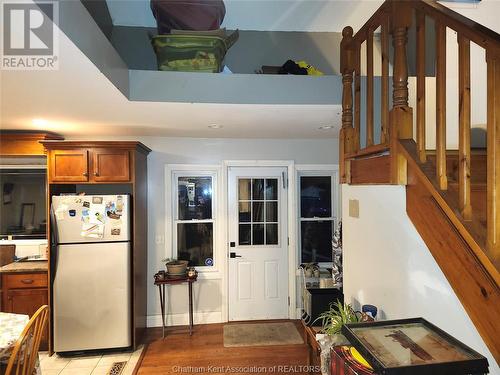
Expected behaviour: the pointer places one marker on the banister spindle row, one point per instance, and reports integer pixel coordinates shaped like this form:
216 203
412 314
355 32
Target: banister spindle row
369 88
421 74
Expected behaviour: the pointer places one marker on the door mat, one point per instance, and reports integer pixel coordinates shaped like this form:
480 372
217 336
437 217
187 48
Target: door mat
117 368
261 334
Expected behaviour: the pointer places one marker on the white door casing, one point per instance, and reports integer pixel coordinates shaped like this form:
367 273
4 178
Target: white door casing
258 236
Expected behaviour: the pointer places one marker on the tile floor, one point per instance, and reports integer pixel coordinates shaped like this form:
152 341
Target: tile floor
88 365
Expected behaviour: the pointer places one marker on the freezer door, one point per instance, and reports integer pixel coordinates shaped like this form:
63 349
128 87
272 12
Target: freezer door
92 297
91 218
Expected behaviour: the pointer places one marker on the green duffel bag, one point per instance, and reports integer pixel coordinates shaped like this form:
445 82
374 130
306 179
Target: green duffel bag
191 52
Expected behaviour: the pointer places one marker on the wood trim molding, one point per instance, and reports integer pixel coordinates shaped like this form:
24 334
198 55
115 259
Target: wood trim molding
52 145
20 143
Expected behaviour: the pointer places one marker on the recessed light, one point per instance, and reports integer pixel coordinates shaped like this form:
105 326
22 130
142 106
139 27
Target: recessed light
326 127
39 122
215 126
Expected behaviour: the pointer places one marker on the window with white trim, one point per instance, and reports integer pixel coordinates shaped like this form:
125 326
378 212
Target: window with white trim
317 215
193 229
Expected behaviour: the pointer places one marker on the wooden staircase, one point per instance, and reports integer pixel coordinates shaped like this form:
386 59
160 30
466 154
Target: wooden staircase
453 196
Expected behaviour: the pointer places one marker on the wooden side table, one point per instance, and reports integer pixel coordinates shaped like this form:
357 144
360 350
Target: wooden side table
161 283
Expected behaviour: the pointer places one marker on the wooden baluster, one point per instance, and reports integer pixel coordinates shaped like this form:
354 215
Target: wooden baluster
346 136
357 97
464 154
493 151
401 115
369 88
441 106
384 100
421 75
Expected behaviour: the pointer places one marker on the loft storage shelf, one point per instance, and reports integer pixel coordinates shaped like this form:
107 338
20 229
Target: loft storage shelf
149 85
125 56
252 50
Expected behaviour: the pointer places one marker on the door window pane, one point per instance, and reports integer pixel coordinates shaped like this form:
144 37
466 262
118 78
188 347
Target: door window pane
315 196
272 189
316 241
244 189
244 212
195 243
194 198
245 236
271 234
271 212
258 189
258 212
258 234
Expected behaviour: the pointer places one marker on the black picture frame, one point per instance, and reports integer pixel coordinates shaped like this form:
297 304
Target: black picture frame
477 364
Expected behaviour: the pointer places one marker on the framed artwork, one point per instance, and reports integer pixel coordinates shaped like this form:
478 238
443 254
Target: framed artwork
413 346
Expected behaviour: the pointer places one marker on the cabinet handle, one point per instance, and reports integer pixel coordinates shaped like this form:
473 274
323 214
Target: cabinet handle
85 174
96 173
27 281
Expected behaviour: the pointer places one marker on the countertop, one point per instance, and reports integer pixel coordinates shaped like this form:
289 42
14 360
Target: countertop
33 266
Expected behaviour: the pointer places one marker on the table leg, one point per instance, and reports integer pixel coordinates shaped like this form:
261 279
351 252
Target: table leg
190 308
161 289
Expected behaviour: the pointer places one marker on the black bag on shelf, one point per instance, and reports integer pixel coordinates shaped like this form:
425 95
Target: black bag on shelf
199 15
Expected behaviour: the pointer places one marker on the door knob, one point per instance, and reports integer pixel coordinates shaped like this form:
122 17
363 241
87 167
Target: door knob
233 255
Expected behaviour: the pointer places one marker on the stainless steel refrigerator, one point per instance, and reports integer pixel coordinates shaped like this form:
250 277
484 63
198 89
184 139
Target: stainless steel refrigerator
92 281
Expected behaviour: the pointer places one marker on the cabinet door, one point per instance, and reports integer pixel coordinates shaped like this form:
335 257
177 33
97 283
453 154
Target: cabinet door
110 165
69 165
27 301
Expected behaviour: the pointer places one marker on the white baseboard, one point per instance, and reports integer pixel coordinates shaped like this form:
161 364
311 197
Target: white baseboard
183 319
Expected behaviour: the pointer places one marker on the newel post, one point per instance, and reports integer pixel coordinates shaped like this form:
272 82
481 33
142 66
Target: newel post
401 114
346 137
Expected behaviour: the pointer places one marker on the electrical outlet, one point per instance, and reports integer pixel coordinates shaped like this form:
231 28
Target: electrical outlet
159 239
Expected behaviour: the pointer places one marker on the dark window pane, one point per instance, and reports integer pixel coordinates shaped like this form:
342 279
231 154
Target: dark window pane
316 241
258 234
272 189
271 212
195 243
195 198
258 212
244 234
244 189
271 234
258 189
315 196
244 212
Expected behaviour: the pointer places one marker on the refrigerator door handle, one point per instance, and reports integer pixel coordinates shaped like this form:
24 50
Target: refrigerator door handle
53 243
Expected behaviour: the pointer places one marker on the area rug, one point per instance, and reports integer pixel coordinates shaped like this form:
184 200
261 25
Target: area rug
261 334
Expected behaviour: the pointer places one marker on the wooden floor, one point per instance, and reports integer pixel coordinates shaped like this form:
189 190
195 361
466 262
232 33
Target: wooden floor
204 353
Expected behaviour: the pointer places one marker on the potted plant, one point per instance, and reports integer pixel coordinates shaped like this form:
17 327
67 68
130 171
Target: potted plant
176 267
330 335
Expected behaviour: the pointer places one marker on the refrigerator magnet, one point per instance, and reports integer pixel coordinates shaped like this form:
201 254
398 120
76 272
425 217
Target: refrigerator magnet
115 231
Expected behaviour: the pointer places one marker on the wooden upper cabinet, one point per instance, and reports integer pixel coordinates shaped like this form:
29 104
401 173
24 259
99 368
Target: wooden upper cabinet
110 165
89 162
69 165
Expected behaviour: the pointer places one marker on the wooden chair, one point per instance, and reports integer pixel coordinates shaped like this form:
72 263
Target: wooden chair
23 359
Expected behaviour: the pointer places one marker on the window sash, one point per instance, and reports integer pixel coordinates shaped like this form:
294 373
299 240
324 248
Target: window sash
176 175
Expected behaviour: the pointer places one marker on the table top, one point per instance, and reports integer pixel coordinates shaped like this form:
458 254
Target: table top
12 327
176 280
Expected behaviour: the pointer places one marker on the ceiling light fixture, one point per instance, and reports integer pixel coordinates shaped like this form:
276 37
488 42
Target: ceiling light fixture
326 127
215 126
39 122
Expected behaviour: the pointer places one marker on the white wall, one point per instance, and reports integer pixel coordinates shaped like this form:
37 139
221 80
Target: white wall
387 264
267 15
208 294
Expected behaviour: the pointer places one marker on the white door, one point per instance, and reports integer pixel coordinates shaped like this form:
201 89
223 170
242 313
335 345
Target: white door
258 243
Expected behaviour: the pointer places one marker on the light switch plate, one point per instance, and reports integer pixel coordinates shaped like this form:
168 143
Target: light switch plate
354 208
